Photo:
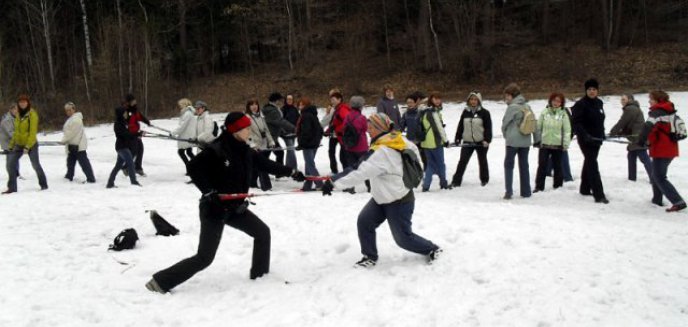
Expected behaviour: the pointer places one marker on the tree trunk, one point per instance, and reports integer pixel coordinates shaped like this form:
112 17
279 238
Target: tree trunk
434 36
544 29
409 30
384 15
120 49
37 64
48 44
183 43
147 60
87 38
424 34
617 24
290 40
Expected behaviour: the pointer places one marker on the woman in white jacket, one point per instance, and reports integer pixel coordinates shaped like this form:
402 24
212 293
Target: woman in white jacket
186 130
392 199
75 141
206 130
259 140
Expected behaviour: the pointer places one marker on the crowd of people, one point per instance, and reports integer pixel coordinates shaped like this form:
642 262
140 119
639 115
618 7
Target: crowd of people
373 151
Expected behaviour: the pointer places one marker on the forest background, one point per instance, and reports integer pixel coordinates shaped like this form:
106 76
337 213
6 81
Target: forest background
93 52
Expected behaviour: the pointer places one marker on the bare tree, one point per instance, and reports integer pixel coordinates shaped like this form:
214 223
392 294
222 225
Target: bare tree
87 39
290 31
434 36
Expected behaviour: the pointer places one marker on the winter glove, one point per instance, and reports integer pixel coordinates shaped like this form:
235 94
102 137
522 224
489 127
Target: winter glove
211 197
298 148
536 145
446 144
242 208
216 130
327 188
485 144
298 176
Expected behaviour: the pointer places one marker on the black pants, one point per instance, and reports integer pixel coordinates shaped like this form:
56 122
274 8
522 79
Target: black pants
186 155
591 182
138 155
422 155
279 155
261 176
332 152
466 154
543 157
82 158
212 225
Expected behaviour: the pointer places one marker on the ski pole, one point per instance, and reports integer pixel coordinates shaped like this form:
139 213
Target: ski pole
465 145
167 137
610 140
318 178
50 143
241 196
161 129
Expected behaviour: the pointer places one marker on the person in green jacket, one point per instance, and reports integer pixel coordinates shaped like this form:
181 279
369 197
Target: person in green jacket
552 137
24 142
434 141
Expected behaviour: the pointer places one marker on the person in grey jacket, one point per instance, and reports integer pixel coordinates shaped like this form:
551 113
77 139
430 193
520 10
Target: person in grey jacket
278 128
629 125
259 140
7 128
517 143
390 107
75 141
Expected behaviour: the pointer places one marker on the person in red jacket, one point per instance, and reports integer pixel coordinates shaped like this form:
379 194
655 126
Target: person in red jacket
341 110
663 148
135 119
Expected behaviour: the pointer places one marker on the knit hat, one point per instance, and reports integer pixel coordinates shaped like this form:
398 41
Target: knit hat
129 98
356 102
475 94
592 83
275 96
380 121
201 104
236 121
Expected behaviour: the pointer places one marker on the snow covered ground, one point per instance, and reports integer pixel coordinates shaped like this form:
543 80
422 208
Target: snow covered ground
555 259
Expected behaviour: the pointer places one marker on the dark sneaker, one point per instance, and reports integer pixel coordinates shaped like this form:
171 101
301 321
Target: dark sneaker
483 183
153 286
676 207
365 262
110 186
140 173
602 200
658 203
507 196
137 184
432 256
425 189
350 190
43 188
8 192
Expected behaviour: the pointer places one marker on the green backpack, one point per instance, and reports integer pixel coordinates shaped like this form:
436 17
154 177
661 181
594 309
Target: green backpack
413 170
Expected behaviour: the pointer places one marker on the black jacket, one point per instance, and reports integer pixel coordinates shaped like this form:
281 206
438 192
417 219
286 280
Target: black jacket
125 138
290 113
588 120
481 113
225 166
309 132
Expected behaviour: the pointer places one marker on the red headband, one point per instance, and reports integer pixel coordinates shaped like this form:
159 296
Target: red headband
239 124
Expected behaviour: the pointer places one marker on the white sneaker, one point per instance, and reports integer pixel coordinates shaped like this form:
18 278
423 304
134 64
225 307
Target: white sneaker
434 254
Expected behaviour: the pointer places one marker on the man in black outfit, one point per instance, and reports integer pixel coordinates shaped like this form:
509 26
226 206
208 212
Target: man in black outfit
588 125
224 167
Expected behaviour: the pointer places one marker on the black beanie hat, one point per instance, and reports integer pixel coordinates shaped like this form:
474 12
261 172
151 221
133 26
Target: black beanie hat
275 96
592 83
129 98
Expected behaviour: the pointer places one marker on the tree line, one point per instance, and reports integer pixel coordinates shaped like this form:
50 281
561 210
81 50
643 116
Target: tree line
94 52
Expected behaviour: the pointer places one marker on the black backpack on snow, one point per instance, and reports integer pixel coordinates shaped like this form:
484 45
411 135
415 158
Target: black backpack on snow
162 227
350 136
125 240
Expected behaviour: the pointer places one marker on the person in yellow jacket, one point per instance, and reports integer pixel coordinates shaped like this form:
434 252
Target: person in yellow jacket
24 142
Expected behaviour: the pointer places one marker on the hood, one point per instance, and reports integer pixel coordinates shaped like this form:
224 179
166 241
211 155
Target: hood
392 140
520 100
477 95
632 103
311 110
665 106
77 115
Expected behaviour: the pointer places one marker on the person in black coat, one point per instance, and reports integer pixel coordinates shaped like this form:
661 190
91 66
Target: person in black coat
475 130
588 125
309 133
225 168
125 142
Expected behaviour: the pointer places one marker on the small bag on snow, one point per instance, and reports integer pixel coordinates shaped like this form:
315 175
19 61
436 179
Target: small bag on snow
125 240
162 226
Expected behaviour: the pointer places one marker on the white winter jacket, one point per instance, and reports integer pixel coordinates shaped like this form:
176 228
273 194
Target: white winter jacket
186 128
204 128
260 133
385 171
73 132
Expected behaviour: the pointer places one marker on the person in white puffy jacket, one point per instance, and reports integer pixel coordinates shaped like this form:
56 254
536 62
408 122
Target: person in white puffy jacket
392 199
206 129
75 141
186 130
